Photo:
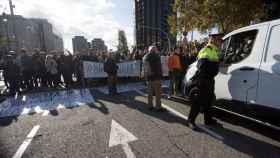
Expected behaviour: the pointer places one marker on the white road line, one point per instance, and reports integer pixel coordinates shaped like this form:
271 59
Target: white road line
174 111
26 142
121 136
201 127
127 150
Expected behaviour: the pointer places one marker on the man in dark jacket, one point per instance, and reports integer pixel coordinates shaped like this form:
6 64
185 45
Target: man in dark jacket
27 69
153 74
12 74
66 66
36 69
111 68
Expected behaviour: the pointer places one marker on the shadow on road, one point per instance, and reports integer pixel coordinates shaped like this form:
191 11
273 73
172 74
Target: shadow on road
238 121
99 106
131 102
8 120
246 144
238 141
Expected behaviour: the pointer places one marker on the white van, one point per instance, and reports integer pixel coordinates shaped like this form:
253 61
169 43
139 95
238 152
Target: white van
251 84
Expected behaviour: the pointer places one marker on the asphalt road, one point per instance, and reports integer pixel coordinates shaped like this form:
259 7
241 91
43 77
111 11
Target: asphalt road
122 126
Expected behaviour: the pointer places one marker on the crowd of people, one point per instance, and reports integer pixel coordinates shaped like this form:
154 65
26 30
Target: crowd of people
25 70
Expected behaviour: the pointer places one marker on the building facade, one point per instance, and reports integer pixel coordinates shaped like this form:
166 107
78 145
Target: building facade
28 33
151 25
98 45
80 44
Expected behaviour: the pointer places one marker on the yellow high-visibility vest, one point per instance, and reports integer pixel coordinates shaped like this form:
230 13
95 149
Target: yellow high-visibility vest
210 52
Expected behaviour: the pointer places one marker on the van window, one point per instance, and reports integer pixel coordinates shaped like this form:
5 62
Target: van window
273 54
240 46
224 47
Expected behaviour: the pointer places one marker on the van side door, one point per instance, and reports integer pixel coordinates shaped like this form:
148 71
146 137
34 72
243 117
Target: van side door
269 82
238 81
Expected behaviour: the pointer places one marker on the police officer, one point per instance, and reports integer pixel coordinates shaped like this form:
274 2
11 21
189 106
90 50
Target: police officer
202 96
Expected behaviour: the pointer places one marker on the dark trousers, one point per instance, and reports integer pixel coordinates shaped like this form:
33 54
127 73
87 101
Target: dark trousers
67 77
27 78
202 98
112 84
36 79
44 78
14 85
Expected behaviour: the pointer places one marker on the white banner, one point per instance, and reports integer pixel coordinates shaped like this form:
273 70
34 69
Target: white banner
94 70
129 69
126 69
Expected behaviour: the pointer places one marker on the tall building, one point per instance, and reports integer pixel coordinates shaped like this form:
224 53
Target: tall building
28 33
80 44
98 45
151 25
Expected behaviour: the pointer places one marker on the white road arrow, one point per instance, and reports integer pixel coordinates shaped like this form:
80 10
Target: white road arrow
120 136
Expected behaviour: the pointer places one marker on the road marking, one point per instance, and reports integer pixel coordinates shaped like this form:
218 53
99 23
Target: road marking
120 136
201 127
174 111
26 142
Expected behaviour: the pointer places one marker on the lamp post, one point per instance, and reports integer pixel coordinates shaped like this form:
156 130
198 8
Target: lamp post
13 19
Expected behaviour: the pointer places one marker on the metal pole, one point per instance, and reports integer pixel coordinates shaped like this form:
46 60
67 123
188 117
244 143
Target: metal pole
13 22
11 7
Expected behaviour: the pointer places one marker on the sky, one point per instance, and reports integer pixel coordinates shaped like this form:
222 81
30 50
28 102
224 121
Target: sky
89 18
